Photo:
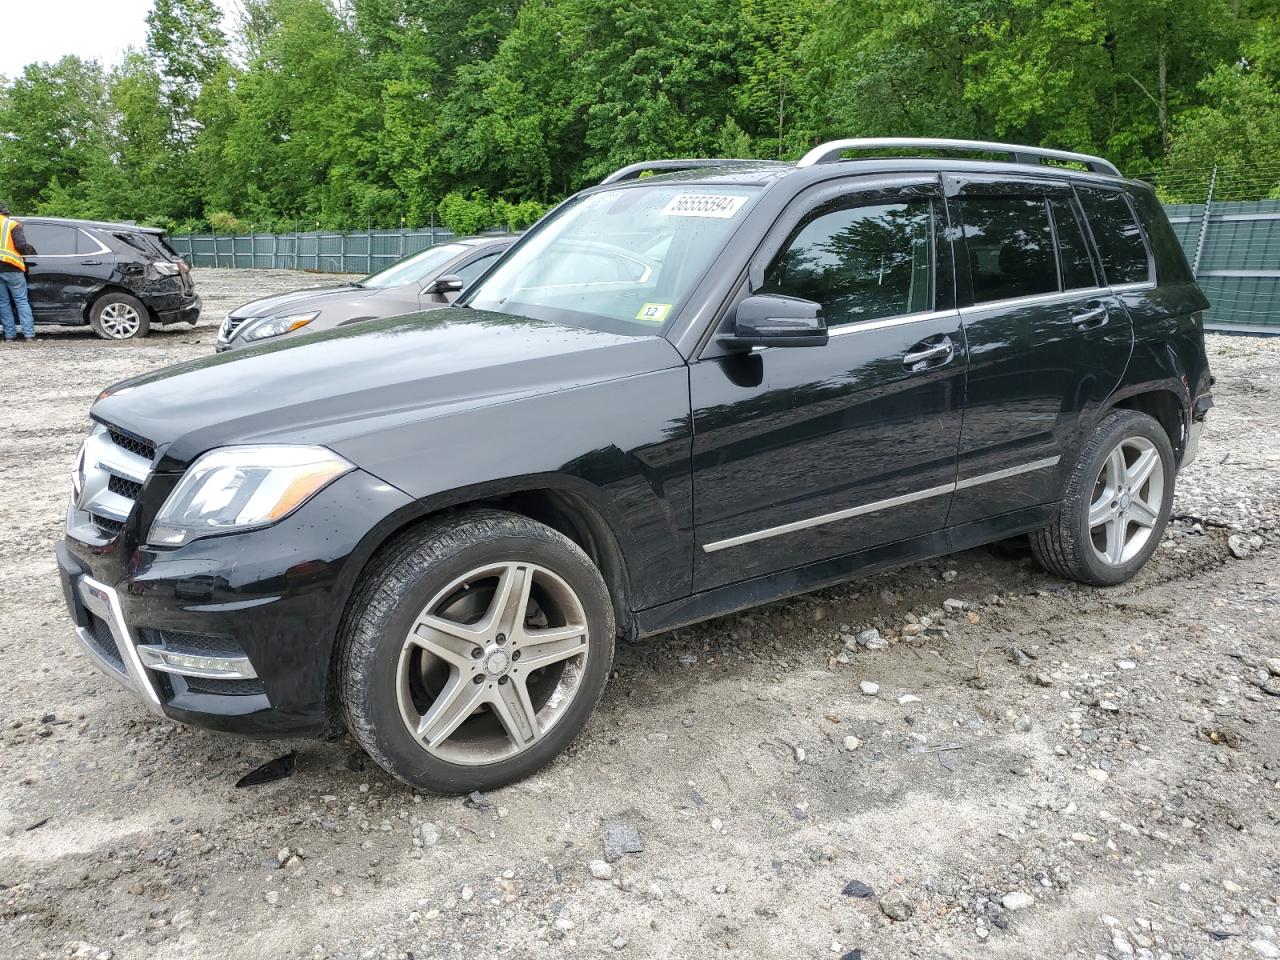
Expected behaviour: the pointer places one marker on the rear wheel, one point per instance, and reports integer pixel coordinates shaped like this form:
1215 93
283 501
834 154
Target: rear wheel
118 316
474 651
1117 504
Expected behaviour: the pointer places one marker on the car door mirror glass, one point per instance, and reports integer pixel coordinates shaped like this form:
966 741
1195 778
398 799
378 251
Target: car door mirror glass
772 320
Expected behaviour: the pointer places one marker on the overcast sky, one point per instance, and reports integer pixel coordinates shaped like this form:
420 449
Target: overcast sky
91 29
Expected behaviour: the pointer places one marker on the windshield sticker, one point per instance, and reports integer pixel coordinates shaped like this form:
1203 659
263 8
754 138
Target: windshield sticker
703 205
654 312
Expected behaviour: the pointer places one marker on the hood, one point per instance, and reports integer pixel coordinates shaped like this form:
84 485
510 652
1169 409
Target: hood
301 301
340 384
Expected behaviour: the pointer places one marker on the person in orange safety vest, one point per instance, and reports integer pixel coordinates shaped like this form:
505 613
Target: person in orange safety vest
13 279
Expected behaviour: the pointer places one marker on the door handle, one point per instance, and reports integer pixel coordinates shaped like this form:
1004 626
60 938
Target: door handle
1091 318
933 352
90 263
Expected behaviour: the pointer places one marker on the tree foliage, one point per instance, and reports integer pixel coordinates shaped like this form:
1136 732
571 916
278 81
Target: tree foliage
307 113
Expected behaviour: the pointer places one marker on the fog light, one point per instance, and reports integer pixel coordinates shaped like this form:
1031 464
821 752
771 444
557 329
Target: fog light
196 664
192 662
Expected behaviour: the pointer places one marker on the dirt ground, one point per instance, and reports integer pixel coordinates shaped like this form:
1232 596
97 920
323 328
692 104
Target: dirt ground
1043 770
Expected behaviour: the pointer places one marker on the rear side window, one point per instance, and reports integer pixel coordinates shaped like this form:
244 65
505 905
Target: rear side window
1171 259
149 244
860 263
1073 251
87 243
1010 246
1117 235
51 239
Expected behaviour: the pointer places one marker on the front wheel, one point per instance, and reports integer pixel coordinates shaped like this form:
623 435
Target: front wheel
118 316
1117 503
474 651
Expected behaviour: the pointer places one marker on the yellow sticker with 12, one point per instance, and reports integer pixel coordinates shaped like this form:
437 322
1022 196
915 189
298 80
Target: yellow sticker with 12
654 312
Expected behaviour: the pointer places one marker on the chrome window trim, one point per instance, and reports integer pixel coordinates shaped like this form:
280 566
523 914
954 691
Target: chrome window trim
856 326
1136 285
1057 295
877 505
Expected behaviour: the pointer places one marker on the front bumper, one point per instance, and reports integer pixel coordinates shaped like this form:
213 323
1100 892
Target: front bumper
102 631
231 633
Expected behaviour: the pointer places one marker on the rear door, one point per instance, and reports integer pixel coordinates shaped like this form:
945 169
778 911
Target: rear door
805 454
64 273
1048 342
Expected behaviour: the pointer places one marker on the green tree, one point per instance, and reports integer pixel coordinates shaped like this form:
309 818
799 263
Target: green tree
185 39
54 120
771 89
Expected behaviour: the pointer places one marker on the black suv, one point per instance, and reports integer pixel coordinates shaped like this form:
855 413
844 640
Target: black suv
677 396
117 277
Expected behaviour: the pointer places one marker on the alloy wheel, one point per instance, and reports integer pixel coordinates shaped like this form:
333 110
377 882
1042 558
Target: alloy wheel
119 320
1128 496
492 662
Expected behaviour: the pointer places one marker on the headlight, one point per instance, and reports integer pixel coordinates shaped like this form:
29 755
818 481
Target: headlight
274 326
240 488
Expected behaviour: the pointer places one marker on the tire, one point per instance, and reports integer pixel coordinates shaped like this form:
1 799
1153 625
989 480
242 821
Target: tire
118 316
455 571
1094 553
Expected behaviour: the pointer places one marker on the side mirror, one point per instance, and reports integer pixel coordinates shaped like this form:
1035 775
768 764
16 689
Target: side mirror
446 284
772 320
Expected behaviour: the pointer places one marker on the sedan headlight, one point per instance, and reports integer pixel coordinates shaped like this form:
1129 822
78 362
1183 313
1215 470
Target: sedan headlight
274 326
240 488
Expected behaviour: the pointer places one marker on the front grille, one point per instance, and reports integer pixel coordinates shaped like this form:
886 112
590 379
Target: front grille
223 688
181 642
230 326
134 445
105 641
110 473
107 525
126 488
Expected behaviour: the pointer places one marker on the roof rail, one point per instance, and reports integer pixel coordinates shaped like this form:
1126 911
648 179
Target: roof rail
633 171
830 152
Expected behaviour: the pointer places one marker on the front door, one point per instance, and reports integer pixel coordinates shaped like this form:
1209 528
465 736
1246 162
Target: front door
808 453
1048 342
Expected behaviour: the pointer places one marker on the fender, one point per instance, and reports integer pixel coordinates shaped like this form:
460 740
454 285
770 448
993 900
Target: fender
638 481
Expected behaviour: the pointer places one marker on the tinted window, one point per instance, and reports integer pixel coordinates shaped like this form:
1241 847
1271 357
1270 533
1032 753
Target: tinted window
1117 235
1010 247
1171 259
50 239
475 268
1073 251
134 240
146 243
860 263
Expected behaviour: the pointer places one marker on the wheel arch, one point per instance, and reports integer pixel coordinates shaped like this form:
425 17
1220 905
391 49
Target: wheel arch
558 504
107 288
1165 403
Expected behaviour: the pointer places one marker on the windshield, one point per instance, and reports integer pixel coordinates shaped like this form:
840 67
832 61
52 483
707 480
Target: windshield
413 268
619 260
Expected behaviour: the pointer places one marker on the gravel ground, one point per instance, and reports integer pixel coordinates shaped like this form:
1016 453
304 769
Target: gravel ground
963 758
